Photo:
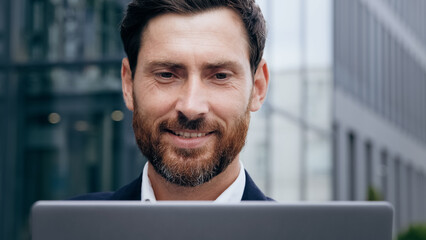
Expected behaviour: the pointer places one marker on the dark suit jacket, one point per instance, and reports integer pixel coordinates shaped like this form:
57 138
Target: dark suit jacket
132 191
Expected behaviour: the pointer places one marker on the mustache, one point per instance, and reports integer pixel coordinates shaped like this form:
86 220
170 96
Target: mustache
195 124
183 122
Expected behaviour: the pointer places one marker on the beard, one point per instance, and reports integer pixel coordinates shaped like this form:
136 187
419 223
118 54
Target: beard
189 167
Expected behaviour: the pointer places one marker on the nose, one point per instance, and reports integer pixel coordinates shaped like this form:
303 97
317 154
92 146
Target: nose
192 101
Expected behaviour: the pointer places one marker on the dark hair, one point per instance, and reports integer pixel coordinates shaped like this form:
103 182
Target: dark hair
139 12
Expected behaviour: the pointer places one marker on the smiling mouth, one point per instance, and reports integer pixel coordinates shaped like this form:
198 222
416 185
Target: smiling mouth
189 134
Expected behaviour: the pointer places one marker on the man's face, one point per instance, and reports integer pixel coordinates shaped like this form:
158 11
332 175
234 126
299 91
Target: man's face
191 94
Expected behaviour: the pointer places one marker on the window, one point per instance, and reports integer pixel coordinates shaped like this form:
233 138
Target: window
369 164
352 165
409 185
384 174
398 197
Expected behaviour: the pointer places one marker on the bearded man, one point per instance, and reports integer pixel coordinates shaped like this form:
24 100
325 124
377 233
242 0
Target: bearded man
193 73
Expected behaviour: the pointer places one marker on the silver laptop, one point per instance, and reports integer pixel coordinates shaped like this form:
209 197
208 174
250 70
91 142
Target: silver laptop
124 220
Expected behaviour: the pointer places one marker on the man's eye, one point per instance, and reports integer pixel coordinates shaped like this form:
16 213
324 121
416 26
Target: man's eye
221 76
166 75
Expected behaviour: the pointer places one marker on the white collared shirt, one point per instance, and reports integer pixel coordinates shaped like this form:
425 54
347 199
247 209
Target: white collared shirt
232 194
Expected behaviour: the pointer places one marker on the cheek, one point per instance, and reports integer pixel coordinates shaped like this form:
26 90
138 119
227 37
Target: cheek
152 102
230 106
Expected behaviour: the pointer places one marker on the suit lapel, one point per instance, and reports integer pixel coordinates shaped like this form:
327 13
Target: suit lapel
252 192
131 191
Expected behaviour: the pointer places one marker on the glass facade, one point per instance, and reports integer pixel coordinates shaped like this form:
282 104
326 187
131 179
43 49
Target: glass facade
65 130
68 132
294 129
63 31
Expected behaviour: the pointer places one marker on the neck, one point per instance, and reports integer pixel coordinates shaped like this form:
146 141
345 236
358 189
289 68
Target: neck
209 191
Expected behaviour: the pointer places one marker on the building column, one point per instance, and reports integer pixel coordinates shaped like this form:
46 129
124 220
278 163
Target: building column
360 171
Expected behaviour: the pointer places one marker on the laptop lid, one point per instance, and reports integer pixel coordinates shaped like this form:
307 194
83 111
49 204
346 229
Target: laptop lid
124 220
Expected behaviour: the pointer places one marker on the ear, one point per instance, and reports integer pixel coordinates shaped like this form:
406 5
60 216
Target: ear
127 83
260 86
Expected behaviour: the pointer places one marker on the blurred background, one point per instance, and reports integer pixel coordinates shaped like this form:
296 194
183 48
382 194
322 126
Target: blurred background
345 117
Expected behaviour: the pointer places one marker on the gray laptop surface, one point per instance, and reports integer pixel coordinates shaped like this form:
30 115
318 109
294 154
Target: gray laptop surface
123 220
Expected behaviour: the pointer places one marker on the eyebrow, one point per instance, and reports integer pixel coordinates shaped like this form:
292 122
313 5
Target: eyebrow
164 64
209 65
222 64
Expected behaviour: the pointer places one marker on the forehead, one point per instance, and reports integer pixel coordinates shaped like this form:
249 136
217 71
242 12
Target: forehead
218 27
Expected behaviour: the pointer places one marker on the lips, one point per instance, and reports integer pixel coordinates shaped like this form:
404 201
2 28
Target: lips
191 134
188 139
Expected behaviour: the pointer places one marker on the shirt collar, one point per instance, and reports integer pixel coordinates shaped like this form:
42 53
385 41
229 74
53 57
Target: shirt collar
147 193
233 193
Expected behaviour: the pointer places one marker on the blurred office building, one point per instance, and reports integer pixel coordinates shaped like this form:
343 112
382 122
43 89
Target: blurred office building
345 116
379 100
